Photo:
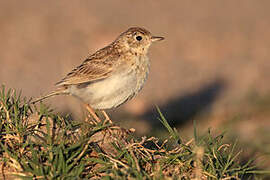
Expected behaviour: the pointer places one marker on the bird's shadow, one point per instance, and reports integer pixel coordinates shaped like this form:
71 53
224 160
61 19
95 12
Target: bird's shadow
184 108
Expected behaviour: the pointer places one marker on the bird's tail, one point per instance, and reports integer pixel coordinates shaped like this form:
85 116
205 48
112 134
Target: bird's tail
53 93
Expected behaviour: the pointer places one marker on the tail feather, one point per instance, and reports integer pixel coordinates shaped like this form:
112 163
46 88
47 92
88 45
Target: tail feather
54 93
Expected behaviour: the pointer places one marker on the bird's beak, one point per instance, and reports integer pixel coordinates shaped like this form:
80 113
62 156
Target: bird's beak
156 38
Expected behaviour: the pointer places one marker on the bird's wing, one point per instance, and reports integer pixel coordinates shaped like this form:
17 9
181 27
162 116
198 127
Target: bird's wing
96 67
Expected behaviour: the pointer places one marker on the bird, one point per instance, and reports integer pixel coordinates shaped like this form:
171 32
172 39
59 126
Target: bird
112 75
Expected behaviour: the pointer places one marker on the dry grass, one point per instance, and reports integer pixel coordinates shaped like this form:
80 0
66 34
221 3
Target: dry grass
36 143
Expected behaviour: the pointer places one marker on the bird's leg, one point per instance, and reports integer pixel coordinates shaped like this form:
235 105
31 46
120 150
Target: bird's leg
92 112
107 118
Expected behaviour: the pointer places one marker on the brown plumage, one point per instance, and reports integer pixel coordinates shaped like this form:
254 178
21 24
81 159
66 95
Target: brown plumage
113 74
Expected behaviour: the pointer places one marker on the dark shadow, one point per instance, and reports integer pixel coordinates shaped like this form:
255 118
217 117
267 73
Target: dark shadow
184 108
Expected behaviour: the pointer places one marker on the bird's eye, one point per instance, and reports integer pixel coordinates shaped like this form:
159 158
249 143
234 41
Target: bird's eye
139 38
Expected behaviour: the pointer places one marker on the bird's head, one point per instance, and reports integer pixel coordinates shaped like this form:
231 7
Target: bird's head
137 40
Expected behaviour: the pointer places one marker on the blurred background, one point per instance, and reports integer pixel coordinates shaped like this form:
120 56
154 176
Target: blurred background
213 66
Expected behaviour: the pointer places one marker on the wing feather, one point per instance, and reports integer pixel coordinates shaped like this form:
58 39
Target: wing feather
96 67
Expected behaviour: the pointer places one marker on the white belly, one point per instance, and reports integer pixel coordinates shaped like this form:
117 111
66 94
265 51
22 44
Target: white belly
107 93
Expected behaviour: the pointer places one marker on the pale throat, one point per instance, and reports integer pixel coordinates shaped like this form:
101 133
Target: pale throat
139 51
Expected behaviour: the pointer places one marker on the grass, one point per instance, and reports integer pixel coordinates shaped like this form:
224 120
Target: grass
37 143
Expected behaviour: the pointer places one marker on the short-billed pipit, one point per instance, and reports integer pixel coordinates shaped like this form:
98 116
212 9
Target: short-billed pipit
112 75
